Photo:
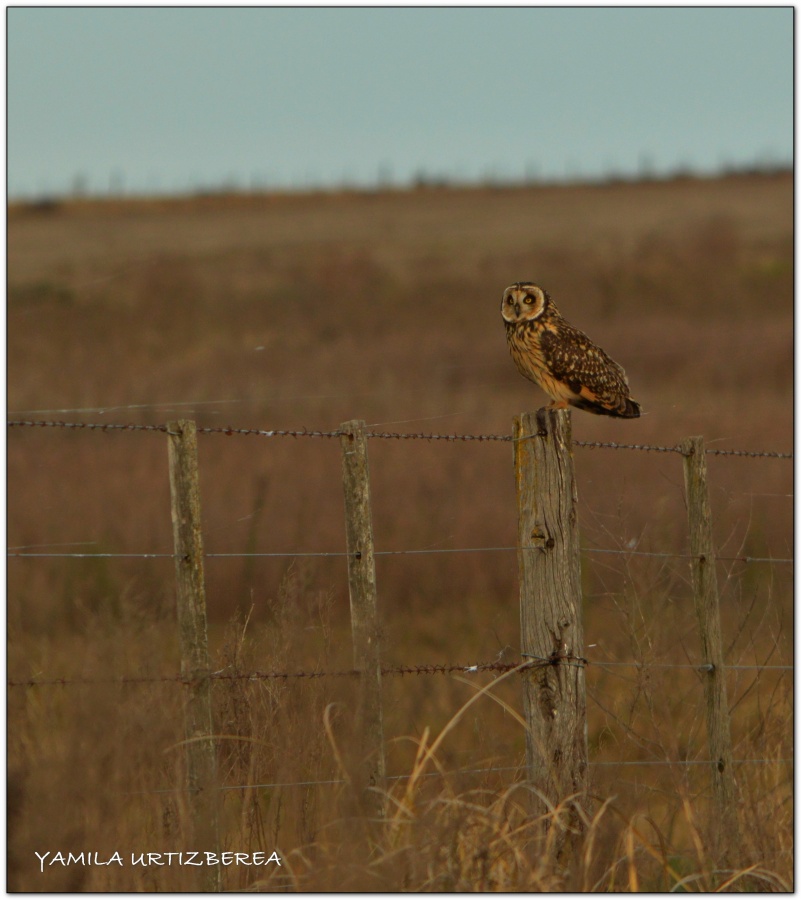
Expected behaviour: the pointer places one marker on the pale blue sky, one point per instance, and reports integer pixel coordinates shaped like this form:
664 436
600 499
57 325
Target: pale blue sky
170 100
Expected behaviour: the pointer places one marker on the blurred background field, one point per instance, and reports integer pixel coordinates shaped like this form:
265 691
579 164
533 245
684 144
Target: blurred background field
291 311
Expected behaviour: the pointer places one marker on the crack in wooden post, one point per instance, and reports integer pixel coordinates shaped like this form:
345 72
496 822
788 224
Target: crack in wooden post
199 749
707 608
364 613
551 628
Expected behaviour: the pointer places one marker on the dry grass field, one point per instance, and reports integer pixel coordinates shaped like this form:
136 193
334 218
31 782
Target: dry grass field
303 311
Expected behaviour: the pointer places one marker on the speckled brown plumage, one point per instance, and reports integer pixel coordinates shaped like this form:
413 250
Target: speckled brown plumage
562 360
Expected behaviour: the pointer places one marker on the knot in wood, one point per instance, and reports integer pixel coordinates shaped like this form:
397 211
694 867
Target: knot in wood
541 539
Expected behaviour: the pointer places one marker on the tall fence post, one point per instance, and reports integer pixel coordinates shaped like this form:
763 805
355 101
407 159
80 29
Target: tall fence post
551 627
364 610
707 609
200 750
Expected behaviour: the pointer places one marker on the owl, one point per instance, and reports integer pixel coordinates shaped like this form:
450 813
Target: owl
562 360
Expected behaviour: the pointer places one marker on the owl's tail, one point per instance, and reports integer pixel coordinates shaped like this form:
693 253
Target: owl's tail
629 409
625 409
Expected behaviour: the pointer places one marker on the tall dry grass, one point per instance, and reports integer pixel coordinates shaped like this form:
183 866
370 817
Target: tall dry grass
110 755
308 311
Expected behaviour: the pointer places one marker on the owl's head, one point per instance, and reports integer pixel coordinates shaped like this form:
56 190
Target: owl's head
524 301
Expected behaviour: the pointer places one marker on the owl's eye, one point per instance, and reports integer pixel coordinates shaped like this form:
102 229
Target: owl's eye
529 300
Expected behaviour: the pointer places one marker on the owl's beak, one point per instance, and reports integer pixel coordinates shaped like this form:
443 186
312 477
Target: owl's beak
517 309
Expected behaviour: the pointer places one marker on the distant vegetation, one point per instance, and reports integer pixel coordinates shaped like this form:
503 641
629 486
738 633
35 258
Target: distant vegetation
82 187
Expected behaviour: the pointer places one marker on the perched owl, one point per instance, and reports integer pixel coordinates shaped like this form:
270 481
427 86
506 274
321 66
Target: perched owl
562 360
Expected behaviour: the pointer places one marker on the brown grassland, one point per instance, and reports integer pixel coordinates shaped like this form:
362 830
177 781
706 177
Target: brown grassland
303 311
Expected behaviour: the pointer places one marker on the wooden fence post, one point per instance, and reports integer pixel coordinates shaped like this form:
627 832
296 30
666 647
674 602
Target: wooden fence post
551 627
707 609
200 750
364 610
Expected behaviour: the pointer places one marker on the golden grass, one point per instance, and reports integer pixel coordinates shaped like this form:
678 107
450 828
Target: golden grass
293 311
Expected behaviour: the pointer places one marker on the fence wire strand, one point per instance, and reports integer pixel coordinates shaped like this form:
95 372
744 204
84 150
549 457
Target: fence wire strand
384 435
490 770
22 554
401 670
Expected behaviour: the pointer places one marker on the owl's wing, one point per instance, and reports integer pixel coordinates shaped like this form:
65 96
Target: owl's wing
584 368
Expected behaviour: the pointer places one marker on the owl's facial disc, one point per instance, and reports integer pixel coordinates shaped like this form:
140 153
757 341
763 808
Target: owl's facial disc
522 300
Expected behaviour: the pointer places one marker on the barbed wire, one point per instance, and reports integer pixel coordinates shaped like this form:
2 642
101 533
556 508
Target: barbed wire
132 426
384 435
614 445
428 436
425 669
401 670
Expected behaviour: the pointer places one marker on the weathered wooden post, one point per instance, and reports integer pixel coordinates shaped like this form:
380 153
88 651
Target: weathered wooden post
364 610
551 627
707 609
200 750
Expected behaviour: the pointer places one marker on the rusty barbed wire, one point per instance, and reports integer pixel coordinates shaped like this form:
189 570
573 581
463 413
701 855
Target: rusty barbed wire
423 436
222 675
89 426
446 669
382 435
750 453
614 445
259 432
208 429
534 662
